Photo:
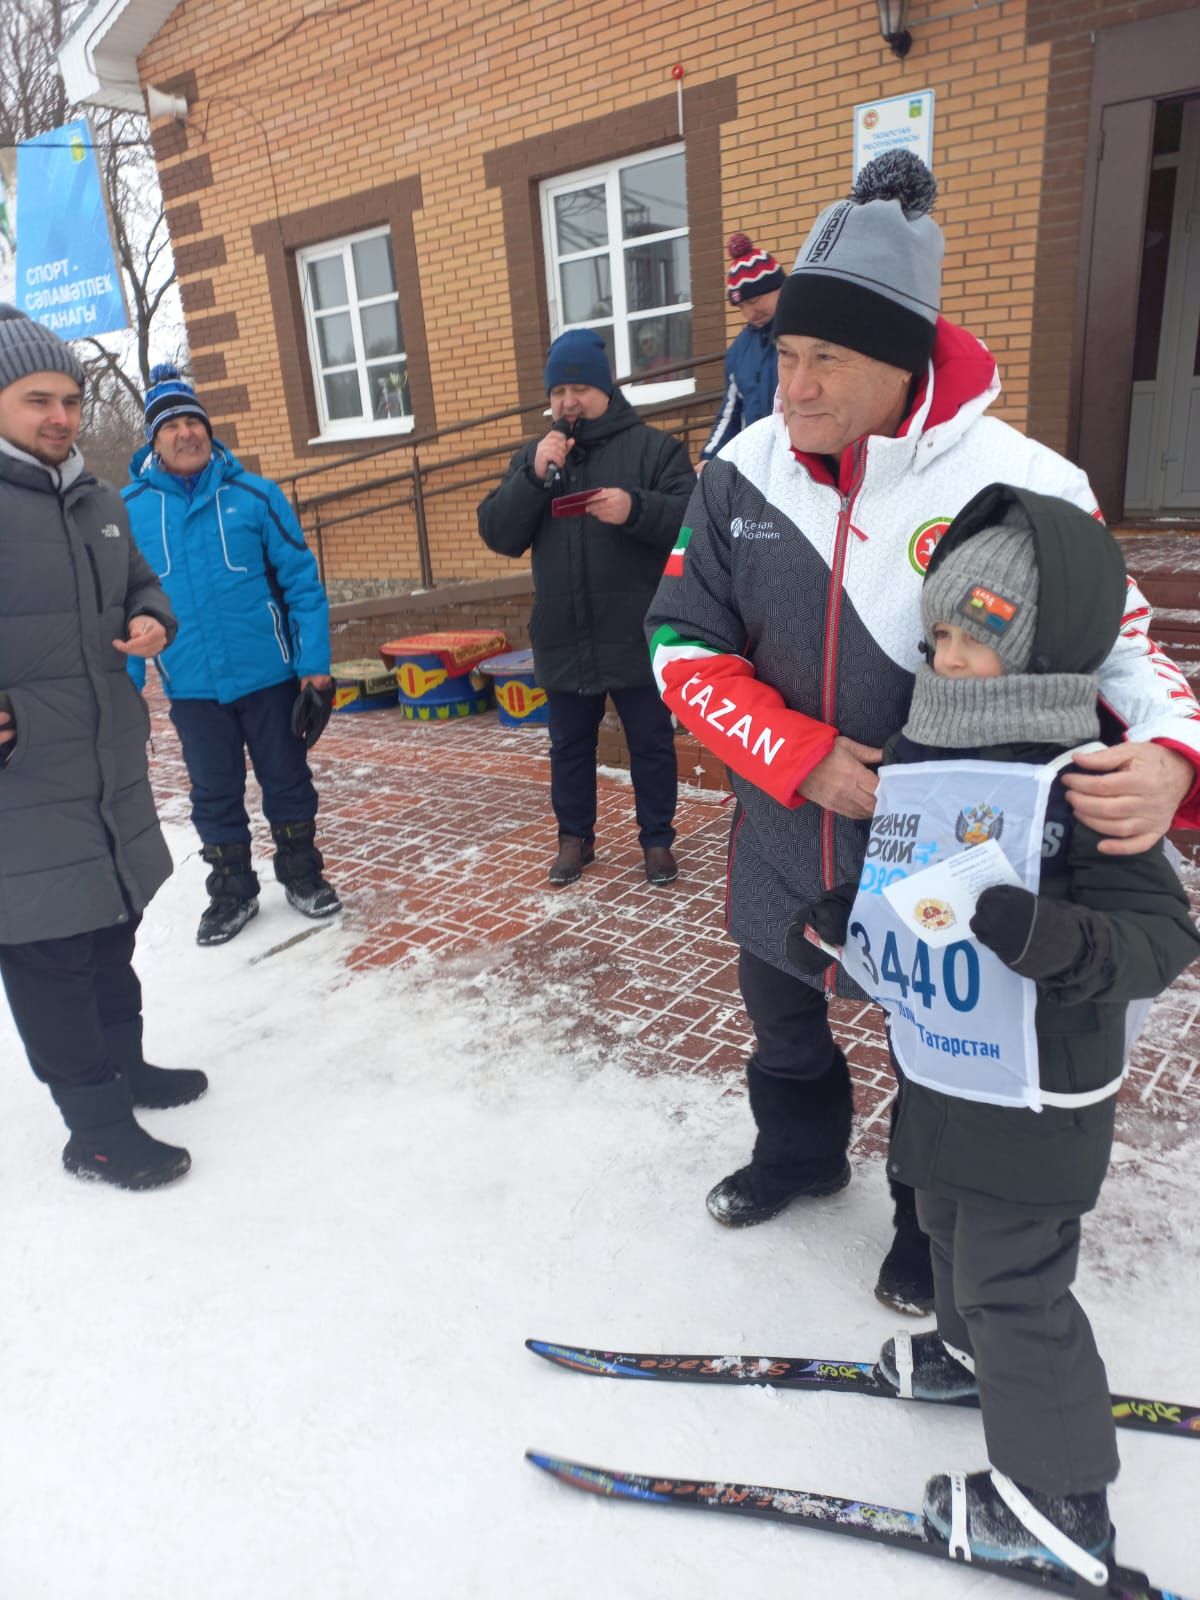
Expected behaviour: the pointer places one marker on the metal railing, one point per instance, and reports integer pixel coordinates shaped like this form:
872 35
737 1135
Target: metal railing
694 414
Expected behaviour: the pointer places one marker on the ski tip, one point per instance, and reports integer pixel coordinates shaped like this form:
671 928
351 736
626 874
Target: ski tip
581 1360
596 1480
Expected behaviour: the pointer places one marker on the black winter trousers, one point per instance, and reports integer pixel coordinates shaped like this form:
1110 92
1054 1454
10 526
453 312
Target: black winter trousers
574 730
215 739
70 998
1002 1287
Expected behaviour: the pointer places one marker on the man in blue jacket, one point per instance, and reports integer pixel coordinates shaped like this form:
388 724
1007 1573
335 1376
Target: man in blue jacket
753 283
253 619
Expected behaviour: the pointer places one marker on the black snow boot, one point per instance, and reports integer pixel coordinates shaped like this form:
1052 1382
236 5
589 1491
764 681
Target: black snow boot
154 1088
906 1276
573 855
927 1368
233 885
107 1144
803 1132
995 1532
298 865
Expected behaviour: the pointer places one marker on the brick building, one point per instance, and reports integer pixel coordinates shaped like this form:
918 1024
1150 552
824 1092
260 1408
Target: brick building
381 214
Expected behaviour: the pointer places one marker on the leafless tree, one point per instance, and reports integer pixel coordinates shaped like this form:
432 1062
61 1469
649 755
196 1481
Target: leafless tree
33 100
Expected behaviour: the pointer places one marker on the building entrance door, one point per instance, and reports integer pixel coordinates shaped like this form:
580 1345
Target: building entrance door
1163 466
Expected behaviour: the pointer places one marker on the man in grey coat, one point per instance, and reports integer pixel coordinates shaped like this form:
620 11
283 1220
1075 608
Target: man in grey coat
81 853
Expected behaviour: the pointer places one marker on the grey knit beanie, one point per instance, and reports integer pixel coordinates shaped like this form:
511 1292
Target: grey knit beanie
988 587
26 347
869 275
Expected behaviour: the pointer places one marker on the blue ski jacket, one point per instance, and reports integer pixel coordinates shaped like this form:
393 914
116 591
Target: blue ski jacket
751 378
241 580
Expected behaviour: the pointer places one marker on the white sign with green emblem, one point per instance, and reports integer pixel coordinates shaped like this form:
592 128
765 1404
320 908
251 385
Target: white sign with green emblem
902 122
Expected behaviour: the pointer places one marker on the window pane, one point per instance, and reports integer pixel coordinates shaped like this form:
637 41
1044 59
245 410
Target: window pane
582 220
1156 248
381 330
657 342
342 397
335 339
1168 127
658 275
653 197
373 267
327 283
389 390
586 289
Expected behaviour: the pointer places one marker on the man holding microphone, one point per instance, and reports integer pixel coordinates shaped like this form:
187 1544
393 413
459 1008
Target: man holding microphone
599 499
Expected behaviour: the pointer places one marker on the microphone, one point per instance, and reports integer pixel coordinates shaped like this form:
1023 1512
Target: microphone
567 429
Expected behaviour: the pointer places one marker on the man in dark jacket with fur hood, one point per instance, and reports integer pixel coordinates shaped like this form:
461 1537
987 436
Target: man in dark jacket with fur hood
81 854
597 560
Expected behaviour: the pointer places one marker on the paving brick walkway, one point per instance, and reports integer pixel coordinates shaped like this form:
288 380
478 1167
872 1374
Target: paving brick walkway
438 838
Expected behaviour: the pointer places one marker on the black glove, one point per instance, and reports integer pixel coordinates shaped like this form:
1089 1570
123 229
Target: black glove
1038 938
311 712
827 917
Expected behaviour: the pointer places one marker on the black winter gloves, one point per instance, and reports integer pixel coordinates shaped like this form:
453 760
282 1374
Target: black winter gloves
311 712
827 917
1038 938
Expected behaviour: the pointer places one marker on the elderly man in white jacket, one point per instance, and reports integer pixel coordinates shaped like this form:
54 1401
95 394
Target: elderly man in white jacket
786 630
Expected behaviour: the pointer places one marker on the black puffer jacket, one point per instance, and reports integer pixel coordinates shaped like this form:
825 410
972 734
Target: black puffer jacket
1140 936
593 583
80 845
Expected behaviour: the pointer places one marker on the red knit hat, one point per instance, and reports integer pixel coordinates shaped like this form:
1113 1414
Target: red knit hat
751 271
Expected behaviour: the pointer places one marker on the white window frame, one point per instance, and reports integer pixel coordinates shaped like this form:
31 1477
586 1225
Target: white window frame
364 427
609 174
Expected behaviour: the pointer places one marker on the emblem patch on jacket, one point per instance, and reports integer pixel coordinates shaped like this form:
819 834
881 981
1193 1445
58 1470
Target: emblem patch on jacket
924 542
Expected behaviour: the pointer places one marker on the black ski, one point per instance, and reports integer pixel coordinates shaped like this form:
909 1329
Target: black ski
808 1372
885 1525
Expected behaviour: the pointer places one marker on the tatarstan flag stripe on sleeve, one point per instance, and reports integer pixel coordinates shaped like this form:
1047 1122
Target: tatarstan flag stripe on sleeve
674 566
666 646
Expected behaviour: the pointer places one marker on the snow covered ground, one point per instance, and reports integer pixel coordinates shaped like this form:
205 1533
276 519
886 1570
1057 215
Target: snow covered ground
299 1374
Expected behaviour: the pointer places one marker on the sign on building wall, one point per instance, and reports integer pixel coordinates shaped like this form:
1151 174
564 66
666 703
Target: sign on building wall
903 122
67 274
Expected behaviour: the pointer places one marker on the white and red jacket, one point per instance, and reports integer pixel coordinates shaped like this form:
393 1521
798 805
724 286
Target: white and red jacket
789 612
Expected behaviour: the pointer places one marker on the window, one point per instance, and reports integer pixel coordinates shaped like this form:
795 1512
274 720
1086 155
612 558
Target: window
617 261
356 343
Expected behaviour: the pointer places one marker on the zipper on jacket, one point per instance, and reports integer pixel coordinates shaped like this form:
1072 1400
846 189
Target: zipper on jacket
95 578
833 613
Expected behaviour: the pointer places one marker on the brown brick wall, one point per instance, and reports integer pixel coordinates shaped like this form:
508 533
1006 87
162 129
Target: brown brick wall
348 101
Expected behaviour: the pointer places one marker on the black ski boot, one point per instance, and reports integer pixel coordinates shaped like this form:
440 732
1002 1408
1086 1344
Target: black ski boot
107 1144
298 865
906 1276
233 885
154 1088
927 1368
800 1152
995 1532
573 855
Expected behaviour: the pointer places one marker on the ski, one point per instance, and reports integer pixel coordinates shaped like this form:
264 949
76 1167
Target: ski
884 1525
839 1377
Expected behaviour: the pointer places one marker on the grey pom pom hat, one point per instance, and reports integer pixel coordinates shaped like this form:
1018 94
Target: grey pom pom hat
869 275
26 347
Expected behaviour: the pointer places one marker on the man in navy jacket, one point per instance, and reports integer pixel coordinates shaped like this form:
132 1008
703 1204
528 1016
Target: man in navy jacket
253 619
753 283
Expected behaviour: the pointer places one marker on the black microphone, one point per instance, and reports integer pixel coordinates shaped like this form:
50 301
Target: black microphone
567 429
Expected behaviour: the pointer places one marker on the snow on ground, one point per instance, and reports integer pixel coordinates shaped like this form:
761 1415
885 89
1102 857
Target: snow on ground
299 1374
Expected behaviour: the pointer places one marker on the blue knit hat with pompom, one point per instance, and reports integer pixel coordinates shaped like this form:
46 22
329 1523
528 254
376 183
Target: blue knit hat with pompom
170 395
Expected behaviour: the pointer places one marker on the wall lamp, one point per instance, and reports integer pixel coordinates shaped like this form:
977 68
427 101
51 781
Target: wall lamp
892 17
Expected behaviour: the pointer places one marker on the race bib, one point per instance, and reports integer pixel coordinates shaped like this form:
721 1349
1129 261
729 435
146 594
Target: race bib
961 1022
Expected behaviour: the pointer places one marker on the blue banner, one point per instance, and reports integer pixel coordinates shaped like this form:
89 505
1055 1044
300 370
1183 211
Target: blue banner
67 275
